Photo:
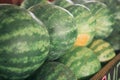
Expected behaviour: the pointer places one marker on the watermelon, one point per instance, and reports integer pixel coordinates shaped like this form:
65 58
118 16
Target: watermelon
102 49
114 38
60 25
63 3
28 3
84 22
104 18
24 42
82 61
53 71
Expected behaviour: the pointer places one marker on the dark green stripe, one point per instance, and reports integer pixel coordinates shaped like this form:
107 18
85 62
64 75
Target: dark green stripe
55 74
13 77
29 39
22 62
77 10
53 71
63 3
30 53
24 50
20 70
69 56
80 12
91 69
19 25
82 57
21 38
14 11
22 73
77 54
14 25
77 64
96 5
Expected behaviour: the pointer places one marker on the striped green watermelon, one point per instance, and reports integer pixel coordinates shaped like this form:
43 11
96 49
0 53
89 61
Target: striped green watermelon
60 25
84 22
28 3
102 49
82 61
114 38
24 43
53 71
104 18
63 3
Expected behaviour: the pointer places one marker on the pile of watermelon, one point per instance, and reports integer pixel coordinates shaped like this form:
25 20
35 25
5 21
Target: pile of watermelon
57 39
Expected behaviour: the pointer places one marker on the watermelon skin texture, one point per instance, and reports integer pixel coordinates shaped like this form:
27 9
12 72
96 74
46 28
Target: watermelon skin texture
24 43
113 5
81 1
104 18
60 25
84 21
103 50
28 3
114 38
63 3
53 71
82 61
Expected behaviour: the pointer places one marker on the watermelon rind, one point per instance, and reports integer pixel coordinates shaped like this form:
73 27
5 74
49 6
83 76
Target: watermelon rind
103 49
53 71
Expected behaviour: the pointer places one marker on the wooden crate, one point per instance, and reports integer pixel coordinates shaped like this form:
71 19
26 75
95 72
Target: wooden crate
111 71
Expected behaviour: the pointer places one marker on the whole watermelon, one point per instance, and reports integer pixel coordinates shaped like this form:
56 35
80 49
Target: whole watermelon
24 43
114 38
60 25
